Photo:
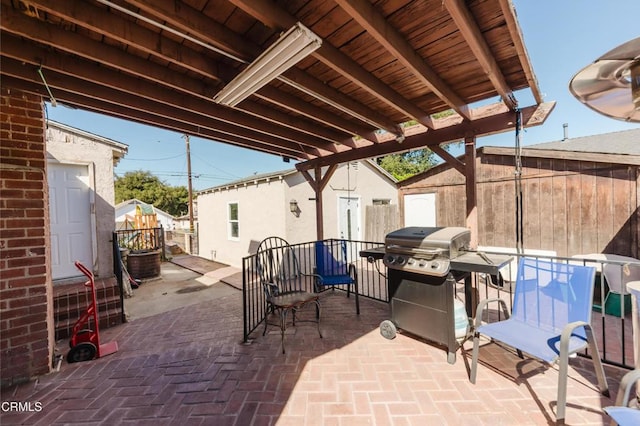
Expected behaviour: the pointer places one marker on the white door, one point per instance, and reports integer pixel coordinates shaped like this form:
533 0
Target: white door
349 218
420 210
70 211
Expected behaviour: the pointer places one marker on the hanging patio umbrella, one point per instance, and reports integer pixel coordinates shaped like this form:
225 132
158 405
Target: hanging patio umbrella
611 84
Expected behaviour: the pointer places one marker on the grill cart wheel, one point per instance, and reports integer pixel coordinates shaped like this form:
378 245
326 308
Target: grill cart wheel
81 352
388 329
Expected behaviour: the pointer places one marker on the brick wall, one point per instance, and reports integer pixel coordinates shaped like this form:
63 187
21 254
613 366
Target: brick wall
26 301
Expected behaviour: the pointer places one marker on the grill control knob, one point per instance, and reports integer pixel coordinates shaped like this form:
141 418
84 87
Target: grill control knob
411 261
422 264
400 260
435 265
391 259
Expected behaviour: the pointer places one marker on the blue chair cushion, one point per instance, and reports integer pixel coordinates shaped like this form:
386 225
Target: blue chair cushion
527 338
624 415
335 280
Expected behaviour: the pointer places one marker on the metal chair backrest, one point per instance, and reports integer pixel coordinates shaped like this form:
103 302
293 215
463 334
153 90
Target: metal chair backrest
331 258
550 295
278 264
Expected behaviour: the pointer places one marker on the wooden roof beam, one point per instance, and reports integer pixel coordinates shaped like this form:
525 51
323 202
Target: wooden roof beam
533 115
67 41
509 12
150 117
107 26
472 34
378 27
119 90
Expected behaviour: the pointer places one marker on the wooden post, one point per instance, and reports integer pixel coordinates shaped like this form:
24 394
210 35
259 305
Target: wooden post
319 215
472 196
318 182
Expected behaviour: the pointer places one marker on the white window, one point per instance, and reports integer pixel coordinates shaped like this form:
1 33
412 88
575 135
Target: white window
234 224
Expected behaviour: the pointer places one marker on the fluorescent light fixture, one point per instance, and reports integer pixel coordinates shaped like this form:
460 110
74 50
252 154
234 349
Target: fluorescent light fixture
293 46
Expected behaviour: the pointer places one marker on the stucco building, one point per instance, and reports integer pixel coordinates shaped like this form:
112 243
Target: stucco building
234 217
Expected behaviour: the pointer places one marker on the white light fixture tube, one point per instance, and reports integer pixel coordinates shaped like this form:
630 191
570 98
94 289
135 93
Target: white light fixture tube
293 46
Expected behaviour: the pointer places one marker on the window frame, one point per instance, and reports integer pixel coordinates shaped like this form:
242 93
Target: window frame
231 222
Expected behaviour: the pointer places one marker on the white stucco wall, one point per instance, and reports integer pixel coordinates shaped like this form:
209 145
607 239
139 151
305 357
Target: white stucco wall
361 181
260 215
70 148
264 210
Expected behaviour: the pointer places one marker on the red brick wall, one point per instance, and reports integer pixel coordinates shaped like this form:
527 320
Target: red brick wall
26 306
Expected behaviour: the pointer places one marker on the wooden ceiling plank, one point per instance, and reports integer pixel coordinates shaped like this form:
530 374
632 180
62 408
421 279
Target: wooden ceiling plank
95 19
276 17
472 34
191 21
378 27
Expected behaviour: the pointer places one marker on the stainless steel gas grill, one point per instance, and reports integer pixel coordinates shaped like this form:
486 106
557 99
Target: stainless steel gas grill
425 250
423 266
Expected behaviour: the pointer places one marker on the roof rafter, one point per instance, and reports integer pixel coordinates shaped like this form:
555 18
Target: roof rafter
156 115
103 87
191 21
472 34
335 59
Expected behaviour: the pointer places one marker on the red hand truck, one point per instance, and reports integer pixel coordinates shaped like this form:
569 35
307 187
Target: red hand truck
85 342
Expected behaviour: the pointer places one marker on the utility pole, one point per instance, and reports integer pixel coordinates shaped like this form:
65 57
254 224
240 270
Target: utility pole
186 138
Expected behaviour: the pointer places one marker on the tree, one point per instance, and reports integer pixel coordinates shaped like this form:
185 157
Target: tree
405 165
151 190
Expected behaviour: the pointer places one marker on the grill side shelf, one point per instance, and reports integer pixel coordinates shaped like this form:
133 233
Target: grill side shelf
471 261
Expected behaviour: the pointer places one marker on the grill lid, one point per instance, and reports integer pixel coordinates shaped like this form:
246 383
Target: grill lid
425 250
449 240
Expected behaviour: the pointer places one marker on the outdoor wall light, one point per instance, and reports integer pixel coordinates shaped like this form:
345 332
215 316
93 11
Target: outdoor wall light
293 206
293 46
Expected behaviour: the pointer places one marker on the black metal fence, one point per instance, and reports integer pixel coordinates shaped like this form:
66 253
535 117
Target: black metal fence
371 281
611 317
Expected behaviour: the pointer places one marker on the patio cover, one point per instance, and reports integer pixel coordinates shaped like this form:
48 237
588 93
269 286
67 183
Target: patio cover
390 76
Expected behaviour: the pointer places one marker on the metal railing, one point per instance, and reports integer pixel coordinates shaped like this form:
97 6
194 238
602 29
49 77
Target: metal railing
372 283
141 239
611 317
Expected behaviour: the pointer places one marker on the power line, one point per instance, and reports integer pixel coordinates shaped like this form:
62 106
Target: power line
153 159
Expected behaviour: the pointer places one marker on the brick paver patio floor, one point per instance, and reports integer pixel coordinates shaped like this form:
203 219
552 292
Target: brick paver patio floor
189 366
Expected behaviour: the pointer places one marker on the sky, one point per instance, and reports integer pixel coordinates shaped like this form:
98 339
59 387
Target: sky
561 37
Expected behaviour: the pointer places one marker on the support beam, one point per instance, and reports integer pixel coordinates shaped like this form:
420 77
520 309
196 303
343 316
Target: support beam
318 183
448 158
470 182
533 115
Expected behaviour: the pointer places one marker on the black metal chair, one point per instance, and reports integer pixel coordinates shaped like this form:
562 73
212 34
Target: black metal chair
285 287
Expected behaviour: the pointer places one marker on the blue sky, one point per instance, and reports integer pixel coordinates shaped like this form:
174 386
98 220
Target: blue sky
561 36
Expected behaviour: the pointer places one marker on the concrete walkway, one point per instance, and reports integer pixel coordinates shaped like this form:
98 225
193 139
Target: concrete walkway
189 366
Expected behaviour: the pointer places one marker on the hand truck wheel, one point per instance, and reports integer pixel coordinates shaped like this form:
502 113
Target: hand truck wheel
82 352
